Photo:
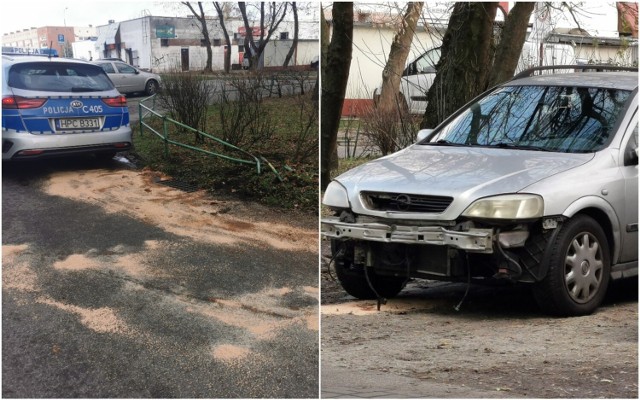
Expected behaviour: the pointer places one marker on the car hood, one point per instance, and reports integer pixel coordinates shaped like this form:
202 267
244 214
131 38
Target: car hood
464 173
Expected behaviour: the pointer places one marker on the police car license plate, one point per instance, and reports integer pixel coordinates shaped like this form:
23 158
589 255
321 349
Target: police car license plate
65 124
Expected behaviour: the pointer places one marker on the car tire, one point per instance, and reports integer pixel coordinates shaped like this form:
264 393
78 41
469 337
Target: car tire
579 269
151 88
353 280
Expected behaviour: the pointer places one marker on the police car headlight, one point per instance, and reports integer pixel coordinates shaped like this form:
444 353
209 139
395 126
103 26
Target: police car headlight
511 206
335 196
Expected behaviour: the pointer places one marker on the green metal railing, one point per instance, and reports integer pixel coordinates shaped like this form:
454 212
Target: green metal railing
145 111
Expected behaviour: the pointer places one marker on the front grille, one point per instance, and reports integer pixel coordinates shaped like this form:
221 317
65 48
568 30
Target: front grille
404 202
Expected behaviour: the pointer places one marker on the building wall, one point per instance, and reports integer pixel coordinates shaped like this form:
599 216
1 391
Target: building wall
43 37
27 38
371 46
48 37
84 50
84 32
276 51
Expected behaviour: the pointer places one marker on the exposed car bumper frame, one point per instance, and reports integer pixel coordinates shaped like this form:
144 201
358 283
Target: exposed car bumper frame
473 240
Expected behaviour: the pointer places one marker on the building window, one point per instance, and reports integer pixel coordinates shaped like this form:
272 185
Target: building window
164 42
203 43
284 35
217 42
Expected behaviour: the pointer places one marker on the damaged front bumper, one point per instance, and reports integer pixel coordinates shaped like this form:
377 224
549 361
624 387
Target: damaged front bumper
473 240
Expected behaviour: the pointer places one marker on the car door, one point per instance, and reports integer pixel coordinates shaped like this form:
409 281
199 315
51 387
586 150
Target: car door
128 78
418 79
110 70
629 251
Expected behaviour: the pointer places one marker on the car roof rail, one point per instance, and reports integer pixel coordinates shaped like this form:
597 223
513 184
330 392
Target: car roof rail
585 67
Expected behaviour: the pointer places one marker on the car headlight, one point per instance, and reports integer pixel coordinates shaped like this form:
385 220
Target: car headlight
510 206
336 196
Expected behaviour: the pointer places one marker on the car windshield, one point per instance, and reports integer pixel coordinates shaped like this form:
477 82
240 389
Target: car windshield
58 77
547 118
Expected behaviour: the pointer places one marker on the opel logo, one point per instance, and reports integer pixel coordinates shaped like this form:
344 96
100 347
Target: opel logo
76 104
403 202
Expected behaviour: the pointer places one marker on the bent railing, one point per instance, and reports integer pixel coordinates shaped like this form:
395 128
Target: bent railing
145 111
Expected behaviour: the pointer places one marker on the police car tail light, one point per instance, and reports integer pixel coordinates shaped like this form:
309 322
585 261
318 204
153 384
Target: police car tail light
14 102
119 101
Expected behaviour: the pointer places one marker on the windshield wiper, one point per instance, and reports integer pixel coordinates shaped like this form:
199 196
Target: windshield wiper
505 145
444 142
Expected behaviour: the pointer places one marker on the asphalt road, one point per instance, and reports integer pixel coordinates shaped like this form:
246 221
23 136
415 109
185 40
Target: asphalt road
99 304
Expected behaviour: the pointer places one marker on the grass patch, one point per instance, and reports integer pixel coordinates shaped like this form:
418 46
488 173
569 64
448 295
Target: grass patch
299 186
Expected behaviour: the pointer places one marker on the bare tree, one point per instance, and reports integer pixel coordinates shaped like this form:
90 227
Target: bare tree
509 49
470 62
227 54
276 13
390 97
205 32
294 45
465 56
335 74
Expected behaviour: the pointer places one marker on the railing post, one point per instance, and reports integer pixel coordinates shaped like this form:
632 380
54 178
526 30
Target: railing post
140 117
165 134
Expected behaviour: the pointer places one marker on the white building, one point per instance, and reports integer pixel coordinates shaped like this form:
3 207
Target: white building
175 43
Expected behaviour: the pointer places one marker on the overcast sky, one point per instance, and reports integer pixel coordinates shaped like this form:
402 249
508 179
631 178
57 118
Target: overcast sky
24 14
596 16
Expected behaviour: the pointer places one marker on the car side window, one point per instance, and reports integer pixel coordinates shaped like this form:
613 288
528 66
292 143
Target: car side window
108 68
427 63
125 69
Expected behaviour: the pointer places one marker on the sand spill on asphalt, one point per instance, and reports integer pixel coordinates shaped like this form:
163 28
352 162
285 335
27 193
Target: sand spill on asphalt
194 215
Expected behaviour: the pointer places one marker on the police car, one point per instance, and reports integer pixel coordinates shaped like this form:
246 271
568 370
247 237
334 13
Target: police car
58 106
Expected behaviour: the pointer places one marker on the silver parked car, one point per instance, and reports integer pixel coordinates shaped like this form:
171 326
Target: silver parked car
130 79
536 181
58 106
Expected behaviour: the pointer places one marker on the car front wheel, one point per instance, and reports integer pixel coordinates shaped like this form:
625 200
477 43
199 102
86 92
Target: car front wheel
579 269
358 283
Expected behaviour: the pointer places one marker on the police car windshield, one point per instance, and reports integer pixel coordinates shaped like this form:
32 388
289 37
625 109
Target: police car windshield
58 77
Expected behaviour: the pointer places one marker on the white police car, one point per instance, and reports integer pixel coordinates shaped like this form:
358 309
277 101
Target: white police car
58 106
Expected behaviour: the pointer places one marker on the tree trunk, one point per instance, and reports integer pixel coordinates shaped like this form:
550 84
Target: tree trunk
278 12
335 74
227 53
463 70
205 33
294 45
513 36
390 98
248 32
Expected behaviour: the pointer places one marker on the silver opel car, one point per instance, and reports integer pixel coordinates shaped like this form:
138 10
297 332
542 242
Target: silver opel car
129 79
535 181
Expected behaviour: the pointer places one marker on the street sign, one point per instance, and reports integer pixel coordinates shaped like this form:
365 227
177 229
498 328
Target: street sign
60 38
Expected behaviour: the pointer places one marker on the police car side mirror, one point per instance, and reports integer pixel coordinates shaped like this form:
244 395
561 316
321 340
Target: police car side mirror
631 157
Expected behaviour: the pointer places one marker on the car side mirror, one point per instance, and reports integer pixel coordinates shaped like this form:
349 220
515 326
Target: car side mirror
423 133
137 72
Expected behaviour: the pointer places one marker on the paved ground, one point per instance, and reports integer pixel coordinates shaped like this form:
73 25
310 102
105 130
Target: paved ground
114 286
